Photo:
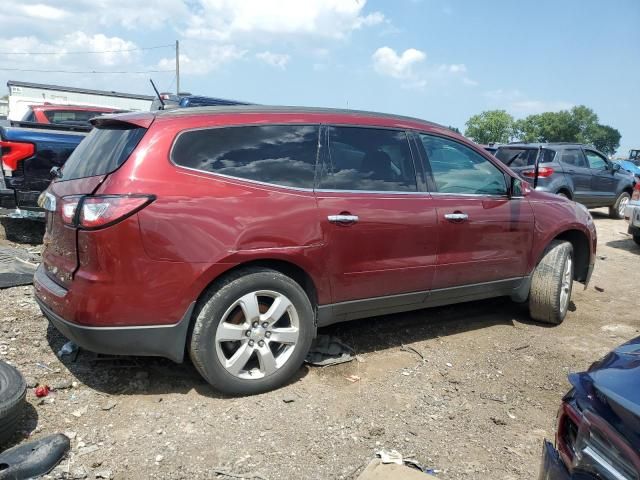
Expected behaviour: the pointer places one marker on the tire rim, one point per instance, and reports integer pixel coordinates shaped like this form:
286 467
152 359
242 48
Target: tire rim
257 334
565 289
622 205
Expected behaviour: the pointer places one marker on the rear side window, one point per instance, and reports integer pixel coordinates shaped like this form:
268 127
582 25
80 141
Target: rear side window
573 157
279 154
70 116
523 157
458 169
102 151
368 159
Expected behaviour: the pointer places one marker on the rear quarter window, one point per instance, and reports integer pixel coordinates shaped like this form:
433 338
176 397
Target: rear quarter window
278 154
102 151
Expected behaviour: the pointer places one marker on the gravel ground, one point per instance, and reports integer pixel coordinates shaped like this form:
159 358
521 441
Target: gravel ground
473 396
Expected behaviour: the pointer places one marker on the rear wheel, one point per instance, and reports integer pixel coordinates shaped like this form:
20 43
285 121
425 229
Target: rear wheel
253 332
551 284
563 194
617 210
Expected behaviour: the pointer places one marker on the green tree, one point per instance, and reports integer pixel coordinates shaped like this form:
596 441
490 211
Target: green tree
605 138
492 126
548 127
455 129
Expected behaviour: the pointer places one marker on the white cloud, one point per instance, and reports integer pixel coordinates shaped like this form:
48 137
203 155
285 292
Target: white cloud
387 62
279 60
42 11
207 61
520 104
224 20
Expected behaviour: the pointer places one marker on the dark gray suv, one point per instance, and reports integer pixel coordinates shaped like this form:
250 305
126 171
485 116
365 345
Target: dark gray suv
575 171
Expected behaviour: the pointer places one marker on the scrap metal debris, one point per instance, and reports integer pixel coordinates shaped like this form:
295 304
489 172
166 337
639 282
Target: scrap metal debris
327 350
17 267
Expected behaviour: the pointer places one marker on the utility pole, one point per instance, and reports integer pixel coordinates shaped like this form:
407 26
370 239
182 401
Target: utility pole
177 67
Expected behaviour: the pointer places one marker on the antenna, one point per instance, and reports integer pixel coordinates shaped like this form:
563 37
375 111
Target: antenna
158 94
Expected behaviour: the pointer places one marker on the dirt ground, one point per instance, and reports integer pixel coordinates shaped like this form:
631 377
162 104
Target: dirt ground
476 406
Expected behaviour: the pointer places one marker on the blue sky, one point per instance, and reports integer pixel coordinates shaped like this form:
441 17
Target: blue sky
442 60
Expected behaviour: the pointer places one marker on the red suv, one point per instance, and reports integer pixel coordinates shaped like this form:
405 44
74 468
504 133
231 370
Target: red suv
232 233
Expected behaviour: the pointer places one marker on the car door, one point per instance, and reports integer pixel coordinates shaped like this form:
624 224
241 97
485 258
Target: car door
603 179
576 167
379 227
484 235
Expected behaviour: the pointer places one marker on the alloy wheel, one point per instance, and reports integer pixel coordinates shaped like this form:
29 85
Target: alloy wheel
565 289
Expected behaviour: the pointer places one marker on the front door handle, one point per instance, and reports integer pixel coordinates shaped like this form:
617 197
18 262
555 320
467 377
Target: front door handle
343 219
456 217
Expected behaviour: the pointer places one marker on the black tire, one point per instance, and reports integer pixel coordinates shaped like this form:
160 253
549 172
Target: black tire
211 311
545 296
563 194
636 238
13 389
614 211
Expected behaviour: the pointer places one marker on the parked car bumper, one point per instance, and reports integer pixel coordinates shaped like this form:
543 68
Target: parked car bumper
7 198
149 340
552 467
632 215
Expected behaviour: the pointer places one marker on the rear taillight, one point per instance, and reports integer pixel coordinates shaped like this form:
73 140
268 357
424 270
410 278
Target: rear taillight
636 192
543 172
92 212
104 210
14 152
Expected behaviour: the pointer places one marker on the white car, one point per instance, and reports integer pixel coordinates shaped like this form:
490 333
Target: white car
632 214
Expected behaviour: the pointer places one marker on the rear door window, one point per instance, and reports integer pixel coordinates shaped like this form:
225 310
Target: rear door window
573 157
368 159
523 157
457 169
102 151
279 154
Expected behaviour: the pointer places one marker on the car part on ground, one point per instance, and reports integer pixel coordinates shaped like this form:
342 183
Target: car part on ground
17 267
329 350
573 170
317 216
33 459
13 389
598 426
551 284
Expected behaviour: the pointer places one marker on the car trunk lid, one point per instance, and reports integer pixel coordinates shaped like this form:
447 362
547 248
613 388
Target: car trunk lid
103 151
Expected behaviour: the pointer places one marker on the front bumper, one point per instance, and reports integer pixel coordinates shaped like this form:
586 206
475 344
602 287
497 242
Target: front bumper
156 340
551 467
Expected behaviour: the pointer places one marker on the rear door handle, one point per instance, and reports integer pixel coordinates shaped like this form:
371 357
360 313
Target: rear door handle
343 219
456 217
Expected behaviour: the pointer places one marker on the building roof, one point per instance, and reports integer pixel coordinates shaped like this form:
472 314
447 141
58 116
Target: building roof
43 86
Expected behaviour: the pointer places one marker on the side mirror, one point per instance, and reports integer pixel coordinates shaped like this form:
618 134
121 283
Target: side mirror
518 188
616 167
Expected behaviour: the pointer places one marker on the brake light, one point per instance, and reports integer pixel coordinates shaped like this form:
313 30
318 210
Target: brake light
68 208
636 192
14 152
104 210
543 172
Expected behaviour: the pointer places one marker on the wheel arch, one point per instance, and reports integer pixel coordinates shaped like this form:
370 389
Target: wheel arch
581 252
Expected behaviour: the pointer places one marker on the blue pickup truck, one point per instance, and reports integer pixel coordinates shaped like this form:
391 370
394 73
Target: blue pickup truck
27 154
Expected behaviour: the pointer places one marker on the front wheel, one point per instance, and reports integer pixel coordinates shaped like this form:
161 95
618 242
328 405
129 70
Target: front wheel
617 210
551 284
253 332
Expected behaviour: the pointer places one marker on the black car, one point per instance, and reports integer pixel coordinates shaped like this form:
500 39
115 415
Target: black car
598 427
575 171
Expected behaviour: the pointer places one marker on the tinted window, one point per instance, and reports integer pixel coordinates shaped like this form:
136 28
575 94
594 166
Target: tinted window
370 159
30 116
458 169
70 116
596 161
279 154
102 151
573 157
523 157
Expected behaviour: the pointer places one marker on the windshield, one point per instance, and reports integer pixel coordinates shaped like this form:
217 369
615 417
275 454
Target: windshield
523 157
102 151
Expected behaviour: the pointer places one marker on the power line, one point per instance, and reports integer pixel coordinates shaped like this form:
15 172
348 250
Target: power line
79 71
86 52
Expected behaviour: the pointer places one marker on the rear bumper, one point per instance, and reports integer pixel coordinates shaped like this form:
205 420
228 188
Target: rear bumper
551 467
7 198
154 340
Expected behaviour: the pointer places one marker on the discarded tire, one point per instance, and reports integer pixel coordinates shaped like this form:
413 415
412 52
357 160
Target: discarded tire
13 390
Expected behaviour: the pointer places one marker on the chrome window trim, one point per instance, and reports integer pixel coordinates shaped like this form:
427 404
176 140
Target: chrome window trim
377 192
